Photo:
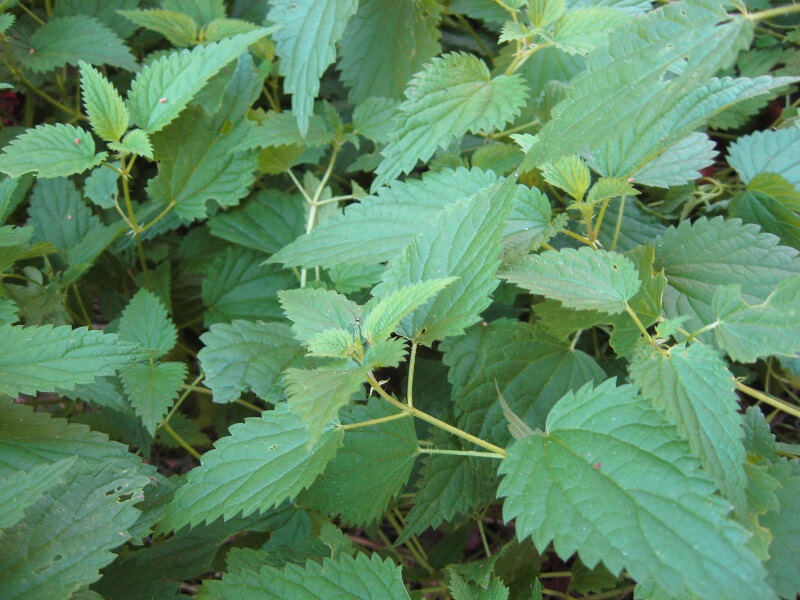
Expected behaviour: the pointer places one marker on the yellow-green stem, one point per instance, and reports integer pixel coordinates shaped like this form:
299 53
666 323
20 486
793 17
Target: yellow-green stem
249 405
778 11
434 421
377 421
767 399
411 367
183 443
86 317
477 453
182 397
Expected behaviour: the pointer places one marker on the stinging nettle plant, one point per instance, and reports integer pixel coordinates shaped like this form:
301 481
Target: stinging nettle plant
400 299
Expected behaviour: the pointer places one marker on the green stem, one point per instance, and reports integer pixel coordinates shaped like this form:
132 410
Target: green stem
433 420
460 452
31 14
482 531
702 330
618 227
126 192
762 397
600 216
778 11
471 32
377 421
411 367
86 317
249 405
183 443
182 397
158 217
196 388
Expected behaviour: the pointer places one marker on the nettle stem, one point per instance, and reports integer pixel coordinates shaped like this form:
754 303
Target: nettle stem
434 421
767 399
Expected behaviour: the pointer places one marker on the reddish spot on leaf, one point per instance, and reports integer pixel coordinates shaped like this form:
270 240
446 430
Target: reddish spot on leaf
69 217
597 465
30 51
162 101
77 140
631 179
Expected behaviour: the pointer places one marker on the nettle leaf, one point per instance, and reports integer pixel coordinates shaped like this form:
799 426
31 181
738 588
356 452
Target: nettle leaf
680 163
772 215
238 286
163 88
643 504
104 12
44 358
463 243
223 27
247 355
748 332
152 388
263 462
697 258
581 30
361 577
105 108
454 94
369 470
784 525
767 152
68 40
385 43
377 228
386 314
372 118
135 141
528 367
266 222
179 28
569 173
66 535
21 489
312 311
317 395
633 74
306 44
50 151
695 390
59 215
583 279
197 163
145 322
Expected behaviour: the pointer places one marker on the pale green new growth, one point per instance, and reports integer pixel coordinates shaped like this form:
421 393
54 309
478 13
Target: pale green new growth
105 108
135 141
163 88
314 310
583 279
152 388
179 28
636 476
305 41
263 462
453 94
50 151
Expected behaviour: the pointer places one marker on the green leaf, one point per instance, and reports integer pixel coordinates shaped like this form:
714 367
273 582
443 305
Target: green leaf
202 11
197 163
387 313
135 141
312 311
385 44
152 388
317 395
528 367
43 358
570 174
699 257
372 118
465 243
332 343
266 222
767 152
695 390
680 163
105 108
237 286
221 28
454 94
777 187
361 578
769 213
66 536
642 504
21 489
145 322
263 462
163 88
783 565
281 129
50 151
105 12
369 470
377 228
634 75
179 28
581 30
545 12
306 44
583 279
748 332
246 355
6 21
638 227
59 215
68 40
